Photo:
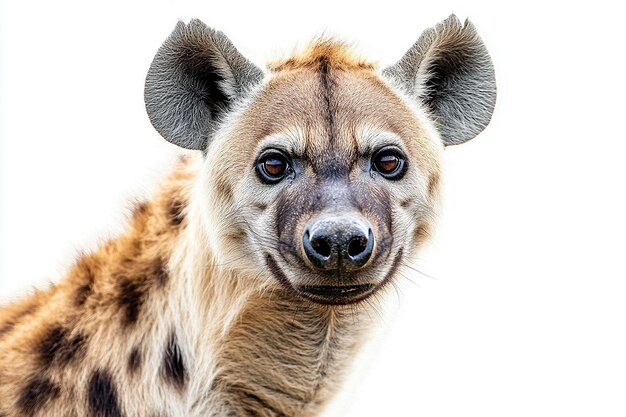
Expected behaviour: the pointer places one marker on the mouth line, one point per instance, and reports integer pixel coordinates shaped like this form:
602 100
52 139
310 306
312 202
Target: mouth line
335 290
332 294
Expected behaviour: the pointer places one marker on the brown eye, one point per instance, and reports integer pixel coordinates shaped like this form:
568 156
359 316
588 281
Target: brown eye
387 163
275 167
390 163
272 166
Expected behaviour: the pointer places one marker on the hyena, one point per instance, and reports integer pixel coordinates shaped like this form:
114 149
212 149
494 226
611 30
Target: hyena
245 285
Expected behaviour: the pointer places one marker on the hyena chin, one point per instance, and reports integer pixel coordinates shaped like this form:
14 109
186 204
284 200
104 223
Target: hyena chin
242 287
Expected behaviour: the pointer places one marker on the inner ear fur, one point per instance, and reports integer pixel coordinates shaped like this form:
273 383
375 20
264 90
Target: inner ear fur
449 71
195 77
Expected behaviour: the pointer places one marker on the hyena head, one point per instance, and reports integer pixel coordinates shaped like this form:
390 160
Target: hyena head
322 173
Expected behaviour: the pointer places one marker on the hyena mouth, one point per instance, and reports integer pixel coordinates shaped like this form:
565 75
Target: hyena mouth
333 294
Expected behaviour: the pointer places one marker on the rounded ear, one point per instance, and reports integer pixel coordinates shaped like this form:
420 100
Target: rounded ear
195 77
449 71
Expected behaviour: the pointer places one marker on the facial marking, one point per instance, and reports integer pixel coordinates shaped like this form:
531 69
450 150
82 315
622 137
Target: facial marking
331 123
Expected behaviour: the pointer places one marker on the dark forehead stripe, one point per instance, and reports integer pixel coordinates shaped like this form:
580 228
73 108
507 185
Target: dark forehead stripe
59 348
173 367
335 159
102 396
36 394
326 92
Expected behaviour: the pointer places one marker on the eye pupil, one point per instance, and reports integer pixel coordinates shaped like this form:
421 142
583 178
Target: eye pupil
387 163
275 167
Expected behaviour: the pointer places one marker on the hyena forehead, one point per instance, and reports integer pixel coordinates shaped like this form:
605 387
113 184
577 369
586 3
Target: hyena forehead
350 109
293 140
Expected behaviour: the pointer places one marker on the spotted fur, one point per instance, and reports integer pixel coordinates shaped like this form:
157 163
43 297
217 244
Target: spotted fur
197 309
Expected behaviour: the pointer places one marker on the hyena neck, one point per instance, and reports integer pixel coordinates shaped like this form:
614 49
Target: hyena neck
257 348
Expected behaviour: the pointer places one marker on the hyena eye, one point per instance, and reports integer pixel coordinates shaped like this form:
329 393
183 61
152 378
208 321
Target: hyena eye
272 166
390 163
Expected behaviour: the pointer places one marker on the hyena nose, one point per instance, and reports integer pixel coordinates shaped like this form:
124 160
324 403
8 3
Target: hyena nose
339 243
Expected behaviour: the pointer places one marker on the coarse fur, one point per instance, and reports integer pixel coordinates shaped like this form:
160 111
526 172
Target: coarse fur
208 305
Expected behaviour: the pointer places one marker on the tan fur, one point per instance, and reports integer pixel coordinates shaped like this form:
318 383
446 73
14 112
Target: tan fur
190 265
337 54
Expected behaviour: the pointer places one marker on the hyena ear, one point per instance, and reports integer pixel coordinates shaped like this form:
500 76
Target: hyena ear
195 77
449 71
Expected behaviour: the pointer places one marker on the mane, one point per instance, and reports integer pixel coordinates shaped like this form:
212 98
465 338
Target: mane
323 51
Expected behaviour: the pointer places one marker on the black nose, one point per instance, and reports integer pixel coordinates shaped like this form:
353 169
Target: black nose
341 243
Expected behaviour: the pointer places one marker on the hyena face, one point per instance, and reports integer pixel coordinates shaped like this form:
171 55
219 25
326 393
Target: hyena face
335 186
324 173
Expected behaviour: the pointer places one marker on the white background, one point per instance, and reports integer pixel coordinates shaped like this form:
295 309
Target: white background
526 314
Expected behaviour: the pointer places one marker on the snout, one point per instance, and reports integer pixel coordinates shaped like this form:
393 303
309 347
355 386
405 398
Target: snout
341 243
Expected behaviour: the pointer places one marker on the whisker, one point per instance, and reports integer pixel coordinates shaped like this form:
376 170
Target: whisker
407 265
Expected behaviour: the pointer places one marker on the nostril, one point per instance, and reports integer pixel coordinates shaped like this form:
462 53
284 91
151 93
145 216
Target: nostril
321 246
357 246
359 250
341 244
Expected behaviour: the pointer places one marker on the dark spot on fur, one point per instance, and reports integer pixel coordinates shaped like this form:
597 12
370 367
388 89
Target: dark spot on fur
160 272
36 394
8 325
173 370
85 270
140 209
82 293
131 298
102 396
175 212
406 203
56 347
134 360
